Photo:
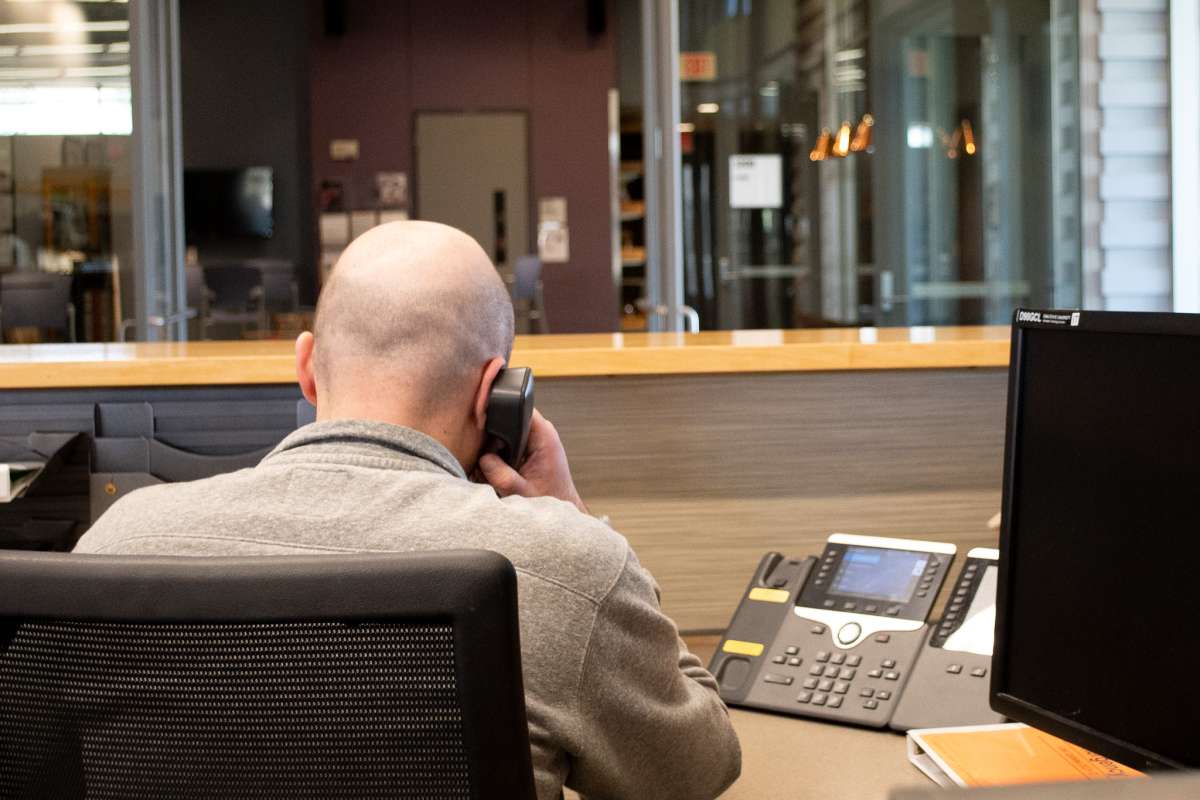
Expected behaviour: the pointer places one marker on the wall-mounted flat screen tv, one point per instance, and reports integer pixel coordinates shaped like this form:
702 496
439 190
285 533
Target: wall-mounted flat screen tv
228 203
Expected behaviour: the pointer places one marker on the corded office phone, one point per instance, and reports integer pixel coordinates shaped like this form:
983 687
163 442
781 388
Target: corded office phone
949 685
509 411
836 637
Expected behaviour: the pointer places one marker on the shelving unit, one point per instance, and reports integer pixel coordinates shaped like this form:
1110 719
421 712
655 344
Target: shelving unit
633 226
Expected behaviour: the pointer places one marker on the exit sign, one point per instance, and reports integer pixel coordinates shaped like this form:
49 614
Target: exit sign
698 66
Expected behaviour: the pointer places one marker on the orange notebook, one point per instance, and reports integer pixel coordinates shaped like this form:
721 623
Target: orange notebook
994 755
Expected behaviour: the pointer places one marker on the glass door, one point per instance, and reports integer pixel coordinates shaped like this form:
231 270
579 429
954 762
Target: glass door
977 180
89 179
66 157
878 162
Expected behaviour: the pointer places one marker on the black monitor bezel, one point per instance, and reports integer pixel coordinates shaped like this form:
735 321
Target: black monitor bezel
1147 323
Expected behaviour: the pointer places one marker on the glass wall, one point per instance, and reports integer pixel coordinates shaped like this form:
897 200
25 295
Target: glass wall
878 162
65 169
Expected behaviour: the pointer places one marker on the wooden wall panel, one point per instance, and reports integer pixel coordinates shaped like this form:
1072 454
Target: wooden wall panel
705 473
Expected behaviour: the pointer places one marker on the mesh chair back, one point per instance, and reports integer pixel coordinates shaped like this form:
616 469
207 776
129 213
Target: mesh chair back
339 677
35 299
232 285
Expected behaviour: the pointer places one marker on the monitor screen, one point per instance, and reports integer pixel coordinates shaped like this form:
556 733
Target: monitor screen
223 203
1097 640
877 574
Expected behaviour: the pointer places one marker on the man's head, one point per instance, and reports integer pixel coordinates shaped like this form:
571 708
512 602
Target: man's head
411 328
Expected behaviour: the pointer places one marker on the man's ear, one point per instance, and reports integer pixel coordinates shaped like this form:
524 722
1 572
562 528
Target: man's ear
305 374
484 391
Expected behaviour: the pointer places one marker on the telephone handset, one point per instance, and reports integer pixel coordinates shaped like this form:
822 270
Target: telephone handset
743 651
949 685
509 411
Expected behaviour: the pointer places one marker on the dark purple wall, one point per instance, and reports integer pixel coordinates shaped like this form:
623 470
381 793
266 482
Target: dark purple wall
397 58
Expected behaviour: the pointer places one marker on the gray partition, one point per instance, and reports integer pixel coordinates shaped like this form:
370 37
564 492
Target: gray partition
115 440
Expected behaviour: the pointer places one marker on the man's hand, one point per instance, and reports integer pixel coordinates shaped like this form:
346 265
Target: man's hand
545 472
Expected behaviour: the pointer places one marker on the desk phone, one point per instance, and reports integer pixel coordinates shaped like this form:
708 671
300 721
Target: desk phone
842 645
949 685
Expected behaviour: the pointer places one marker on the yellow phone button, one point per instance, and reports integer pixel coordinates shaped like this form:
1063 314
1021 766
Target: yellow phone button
769 595
742 648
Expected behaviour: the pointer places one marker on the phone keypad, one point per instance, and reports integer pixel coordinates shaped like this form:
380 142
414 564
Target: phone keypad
835 676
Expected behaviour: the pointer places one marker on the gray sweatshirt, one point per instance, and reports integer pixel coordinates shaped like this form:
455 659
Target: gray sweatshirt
617 706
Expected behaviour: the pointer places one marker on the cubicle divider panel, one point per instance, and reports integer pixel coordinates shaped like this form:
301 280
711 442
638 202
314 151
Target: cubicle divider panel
129 438
705 473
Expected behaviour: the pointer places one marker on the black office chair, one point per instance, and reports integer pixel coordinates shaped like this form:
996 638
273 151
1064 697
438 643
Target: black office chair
357 676
39 300
528 302
281 293
235 297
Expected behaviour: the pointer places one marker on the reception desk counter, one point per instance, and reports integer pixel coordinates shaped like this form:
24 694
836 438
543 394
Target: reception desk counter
705 450
563 356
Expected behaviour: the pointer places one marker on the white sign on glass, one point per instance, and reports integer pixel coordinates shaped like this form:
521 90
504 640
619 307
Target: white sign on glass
756 181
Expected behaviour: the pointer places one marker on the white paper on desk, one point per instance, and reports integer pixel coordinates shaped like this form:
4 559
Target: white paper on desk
15 478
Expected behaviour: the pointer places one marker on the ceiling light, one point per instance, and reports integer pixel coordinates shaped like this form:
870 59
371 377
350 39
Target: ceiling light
97 72
119 47
61 49
821 147
969 136
72 26
708 108
687 127
919 137
862 135
841 142
28 73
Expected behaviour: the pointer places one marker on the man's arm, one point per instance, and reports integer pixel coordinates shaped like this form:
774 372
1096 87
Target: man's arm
647 720
651 722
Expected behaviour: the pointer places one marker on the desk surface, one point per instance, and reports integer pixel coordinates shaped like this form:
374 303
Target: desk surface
555 356
796 759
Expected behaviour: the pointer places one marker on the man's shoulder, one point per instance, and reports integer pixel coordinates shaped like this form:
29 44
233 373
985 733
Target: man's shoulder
158 508
555 542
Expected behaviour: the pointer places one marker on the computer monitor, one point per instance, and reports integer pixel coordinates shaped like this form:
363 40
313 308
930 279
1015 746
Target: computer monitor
1098 603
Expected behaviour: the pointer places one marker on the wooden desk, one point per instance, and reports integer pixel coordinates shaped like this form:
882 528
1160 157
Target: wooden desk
795 759
48 366
788 758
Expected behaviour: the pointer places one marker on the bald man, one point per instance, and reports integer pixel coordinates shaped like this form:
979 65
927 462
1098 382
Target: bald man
411 330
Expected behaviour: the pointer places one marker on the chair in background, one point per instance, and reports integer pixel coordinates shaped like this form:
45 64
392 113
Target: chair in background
197 299
528 303
235 298
40 300
357 676
281 295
